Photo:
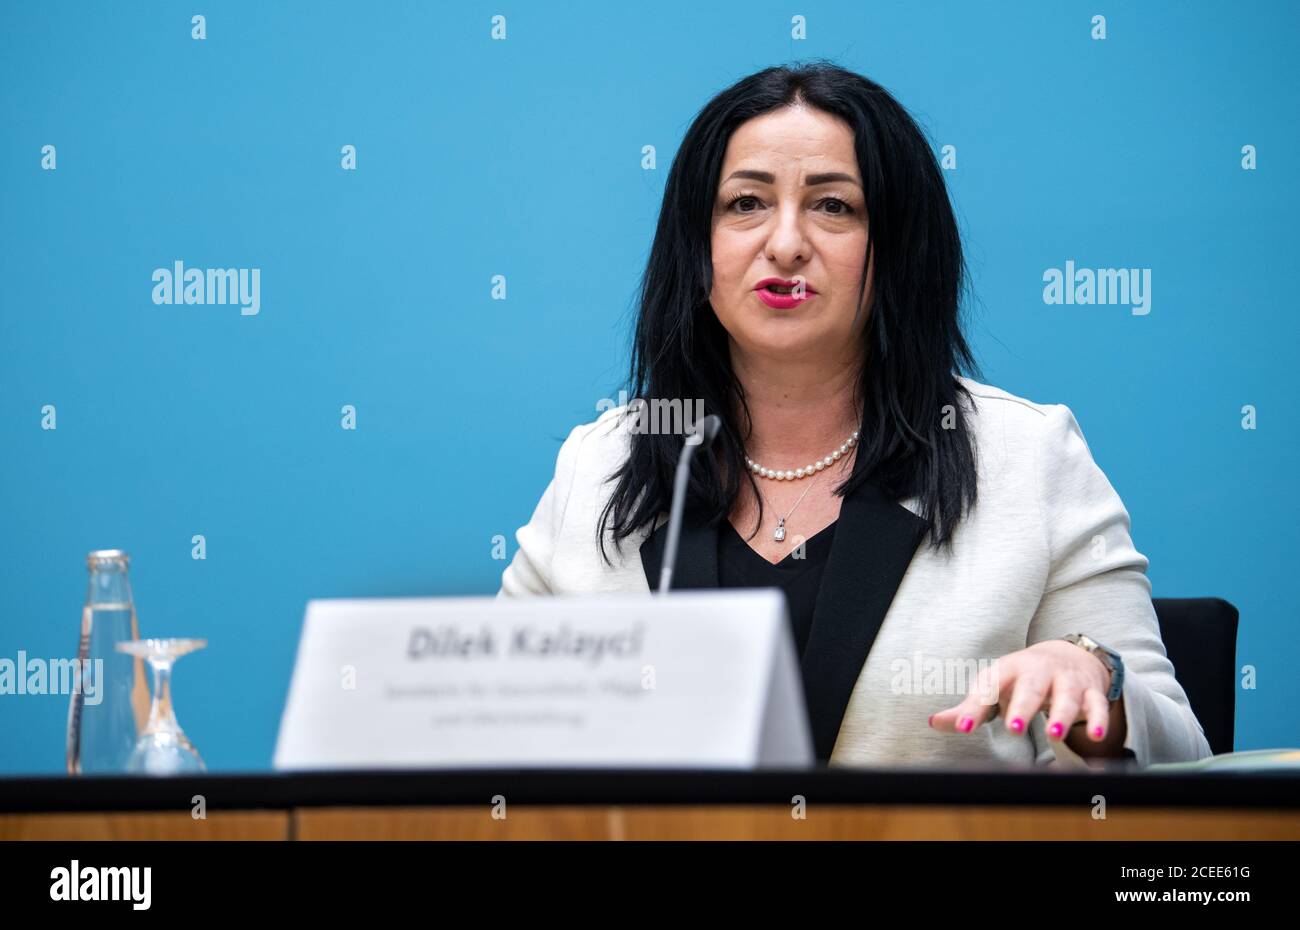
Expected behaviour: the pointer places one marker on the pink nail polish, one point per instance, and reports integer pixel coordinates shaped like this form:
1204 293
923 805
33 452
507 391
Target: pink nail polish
1099 732
930 721
1017 725
966 724
1056 730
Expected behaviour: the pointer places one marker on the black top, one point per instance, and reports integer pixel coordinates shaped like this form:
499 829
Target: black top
875 540
739 566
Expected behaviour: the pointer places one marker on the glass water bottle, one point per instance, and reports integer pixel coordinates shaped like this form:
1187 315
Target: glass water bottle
110 702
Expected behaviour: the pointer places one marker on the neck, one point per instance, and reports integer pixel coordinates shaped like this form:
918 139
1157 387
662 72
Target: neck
799 410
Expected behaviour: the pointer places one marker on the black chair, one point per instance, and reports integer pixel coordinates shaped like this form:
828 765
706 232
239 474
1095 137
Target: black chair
1200 635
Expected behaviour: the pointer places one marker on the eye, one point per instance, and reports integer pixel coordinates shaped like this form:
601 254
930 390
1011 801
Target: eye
845 211
738 198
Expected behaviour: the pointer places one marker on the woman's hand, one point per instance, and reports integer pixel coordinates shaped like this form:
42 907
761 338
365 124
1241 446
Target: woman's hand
1057 677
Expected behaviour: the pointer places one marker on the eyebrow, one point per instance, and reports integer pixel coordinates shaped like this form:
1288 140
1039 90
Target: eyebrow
766 177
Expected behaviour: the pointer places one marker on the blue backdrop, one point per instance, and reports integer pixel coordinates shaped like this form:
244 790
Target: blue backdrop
522 157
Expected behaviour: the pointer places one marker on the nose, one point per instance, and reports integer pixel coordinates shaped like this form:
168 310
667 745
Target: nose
787 243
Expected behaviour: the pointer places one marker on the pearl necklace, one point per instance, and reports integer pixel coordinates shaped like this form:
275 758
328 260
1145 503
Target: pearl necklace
807 471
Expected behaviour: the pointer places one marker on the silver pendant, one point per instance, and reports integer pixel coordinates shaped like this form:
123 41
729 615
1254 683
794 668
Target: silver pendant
779 533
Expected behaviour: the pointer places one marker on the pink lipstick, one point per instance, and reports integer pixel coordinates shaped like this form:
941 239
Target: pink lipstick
783 294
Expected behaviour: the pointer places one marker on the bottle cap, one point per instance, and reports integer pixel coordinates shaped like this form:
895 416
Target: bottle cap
102 556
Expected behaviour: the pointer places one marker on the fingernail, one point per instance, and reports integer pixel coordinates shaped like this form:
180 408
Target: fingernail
930 721
1017 725
1056 729
965 724
1099 732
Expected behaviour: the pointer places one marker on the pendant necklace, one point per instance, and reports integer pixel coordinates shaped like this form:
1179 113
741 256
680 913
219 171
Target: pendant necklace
811 471
779 533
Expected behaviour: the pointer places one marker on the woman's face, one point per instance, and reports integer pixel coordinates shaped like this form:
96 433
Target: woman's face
790 206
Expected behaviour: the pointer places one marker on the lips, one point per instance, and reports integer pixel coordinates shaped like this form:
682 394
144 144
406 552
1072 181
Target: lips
779 293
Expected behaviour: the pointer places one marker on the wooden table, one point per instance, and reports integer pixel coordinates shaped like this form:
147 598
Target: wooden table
839 804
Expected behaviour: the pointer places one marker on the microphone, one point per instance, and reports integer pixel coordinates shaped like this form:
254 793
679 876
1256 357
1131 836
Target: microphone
705 432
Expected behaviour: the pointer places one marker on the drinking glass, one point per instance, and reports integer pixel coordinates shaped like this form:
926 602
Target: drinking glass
163 749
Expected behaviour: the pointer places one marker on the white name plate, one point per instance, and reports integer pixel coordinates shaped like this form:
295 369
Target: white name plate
705 679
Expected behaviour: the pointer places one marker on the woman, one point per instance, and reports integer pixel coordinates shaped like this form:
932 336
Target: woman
937 538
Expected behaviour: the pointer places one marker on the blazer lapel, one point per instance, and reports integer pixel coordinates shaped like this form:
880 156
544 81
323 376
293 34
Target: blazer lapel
697 554
875 539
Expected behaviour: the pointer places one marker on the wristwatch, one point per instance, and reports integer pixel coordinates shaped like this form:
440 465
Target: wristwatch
1109 658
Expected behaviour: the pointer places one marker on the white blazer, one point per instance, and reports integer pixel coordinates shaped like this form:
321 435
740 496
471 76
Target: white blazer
1044 552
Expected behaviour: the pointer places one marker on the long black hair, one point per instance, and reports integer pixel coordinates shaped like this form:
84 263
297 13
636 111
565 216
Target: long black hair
914 439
